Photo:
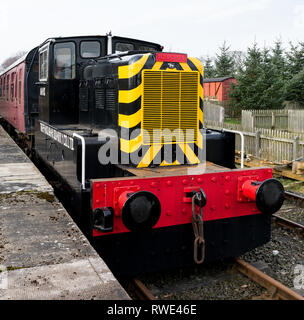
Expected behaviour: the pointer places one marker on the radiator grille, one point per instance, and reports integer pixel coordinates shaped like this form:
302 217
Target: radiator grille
100 98
170 101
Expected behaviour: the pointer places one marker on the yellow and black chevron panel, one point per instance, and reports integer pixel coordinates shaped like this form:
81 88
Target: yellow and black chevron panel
160 95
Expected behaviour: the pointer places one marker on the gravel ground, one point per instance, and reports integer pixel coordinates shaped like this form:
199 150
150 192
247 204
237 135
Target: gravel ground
292 212
280 255
217 281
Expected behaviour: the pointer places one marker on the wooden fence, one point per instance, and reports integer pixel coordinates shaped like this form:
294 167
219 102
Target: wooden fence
296 120
268 144
266 119
288 120
213 112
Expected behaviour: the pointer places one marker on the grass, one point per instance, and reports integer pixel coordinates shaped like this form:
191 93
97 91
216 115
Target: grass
233 121
41 195
290 184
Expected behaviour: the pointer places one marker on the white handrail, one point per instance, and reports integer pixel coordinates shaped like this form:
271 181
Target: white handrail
109 51
242 143
82 159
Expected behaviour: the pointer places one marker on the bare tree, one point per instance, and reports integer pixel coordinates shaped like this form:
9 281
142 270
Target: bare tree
7 62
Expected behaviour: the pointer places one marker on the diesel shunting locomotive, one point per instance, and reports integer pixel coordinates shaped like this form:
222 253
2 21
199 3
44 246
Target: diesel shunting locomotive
120 122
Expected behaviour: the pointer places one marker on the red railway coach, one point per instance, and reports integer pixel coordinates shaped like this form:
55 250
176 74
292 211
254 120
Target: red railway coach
18 92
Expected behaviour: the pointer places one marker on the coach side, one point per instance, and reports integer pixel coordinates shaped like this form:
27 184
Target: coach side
12 95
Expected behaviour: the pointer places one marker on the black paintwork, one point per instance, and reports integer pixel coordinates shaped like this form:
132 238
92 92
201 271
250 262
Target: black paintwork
172 247
220 148
31 90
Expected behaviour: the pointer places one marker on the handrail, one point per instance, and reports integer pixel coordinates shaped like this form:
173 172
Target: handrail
82 158
242 143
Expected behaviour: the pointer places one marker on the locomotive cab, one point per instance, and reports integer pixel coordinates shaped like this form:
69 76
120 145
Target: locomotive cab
61 63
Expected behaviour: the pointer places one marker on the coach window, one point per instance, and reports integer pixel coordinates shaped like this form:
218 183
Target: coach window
12 87
64 61
90 49
122 46
16 85
1 87
19 92
43 64
7 86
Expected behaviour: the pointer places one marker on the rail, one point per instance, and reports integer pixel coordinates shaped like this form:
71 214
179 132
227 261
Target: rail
141 291
272 285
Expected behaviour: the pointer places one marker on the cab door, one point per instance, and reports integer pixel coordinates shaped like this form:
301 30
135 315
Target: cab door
63 84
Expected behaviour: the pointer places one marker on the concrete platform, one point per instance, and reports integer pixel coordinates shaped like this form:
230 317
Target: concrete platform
45 254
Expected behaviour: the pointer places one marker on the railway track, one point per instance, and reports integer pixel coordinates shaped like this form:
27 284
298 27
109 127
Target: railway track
295 196
276 290
298 198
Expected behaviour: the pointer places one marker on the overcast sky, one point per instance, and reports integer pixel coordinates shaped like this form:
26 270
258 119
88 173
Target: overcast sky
196 27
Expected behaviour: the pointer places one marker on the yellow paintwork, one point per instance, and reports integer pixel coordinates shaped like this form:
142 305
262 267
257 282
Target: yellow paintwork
128 96
130 146
198 65
189 153
149 156
129 121
133 69
165 163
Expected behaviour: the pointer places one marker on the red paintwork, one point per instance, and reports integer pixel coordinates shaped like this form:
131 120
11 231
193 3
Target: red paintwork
171 57
13 111
222 190
218 90
249 190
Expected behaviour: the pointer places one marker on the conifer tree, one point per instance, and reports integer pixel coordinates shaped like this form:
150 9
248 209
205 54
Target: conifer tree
274 78
247 94
209 71
224 63
295 88
295 59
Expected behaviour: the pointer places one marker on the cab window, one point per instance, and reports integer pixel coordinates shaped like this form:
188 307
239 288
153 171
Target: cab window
146 48
90 49
64 61
43 64
122 46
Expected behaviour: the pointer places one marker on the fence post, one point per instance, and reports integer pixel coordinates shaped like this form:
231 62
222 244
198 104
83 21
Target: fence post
295 147
257 144
272 120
